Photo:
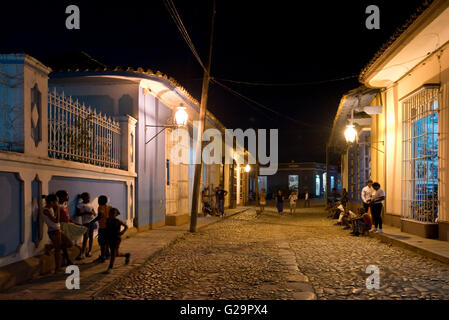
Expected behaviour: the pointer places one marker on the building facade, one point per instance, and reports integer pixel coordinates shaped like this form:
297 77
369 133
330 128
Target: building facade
103 131
409 123
302 177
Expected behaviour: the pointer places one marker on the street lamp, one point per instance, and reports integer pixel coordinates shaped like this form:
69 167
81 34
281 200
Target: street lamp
180 120
181 116
247 168
350 133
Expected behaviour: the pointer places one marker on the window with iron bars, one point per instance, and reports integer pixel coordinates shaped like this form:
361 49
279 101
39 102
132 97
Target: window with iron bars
420 142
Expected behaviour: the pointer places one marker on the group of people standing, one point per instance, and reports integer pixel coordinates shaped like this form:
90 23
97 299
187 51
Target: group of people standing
213 203
368 218
64 232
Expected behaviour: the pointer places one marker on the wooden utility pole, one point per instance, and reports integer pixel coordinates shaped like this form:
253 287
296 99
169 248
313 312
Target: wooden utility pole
199 142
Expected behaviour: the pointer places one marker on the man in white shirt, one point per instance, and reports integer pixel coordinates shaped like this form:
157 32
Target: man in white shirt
367 194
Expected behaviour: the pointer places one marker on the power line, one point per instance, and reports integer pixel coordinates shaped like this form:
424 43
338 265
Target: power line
179 24
291 84
264 107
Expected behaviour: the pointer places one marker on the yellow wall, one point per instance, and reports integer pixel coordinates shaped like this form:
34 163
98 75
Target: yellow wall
425 73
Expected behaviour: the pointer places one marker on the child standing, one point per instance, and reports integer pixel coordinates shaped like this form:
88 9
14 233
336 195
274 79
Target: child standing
293 197
113 236
72 230
58 239
87 214
102 218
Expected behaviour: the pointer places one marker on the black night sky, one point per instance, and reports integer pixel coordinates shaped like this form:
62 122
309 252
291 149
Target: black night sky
293 42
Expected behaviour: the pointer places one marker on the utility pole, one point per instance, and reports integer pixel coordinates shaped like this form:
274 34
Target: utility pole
257 182
199 142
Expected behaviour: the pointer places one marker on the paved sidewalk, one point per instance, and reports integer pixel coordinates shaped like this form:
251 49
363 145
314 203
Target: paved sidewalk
142 247
430 248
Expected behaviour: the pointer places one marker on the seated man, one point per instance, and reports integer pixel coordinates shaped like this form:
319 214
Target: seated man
346 218
362 224
335 211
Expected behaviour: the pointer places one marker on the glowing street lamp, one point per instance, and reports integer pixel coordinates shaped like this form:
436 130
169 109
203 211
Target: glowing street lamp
181 116
247 168
180 120
350 133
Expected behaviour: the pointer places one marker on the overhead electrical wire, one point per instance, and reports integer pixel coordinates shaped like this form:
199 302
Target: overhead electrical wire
291 84
264 107
177 19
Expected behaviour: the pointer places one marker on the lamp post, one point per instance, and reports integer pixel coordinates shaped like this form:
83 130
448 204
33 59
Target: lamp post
180 120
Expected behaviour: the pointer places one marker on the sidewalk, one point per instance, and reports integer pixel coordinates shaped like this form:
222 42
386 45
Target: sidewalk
142 247
430 248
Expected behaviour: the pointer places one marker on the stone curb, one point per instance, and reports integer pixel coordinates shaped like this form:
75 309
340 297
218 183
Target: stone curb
405 245
297 281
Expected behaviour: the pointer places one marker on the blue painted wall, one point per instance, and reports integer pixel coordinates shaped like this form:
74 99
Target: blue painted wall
150 161
11 213
114 190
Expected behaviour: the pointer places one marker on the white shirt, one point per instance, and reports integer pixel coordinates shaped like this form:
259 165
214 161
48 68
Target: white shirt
367 194
377 195
86 208
52 226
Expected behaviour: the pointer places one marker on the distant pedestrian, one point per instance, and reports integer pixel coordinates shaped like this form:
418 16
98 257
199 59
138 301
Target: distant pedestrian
376 206
344 197
59 240
113 235
102 218
216 211
221 194
292 198
367 194
87 213
280 201
262 200
307 200
205 198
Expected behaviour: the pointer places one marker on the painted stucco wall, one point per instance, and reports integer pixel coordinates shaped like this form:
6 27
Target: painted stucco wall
150 160
432 70
116 192
11 213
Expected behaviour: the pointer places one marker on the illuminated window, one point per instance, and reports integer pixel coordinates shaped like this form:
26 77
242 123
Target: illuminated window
293 182
317 185
332 182
324 182
420 155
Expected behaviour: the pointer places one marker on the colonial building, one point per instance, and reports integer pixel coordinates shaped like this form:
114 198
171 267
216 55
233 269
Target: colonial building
302 177
409 123
102 131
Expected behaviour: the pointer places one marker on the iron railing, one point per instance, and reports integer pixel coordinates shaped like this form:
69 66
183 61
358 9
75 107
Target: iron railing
420 155
79 133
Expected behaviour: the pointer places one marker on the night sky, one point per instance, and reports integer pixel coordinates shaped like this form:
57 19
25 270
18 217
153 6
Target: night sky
277 42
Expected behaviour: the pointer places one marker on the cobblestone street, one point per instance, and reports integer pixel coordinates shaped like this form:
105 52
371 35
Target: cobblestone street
301 256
